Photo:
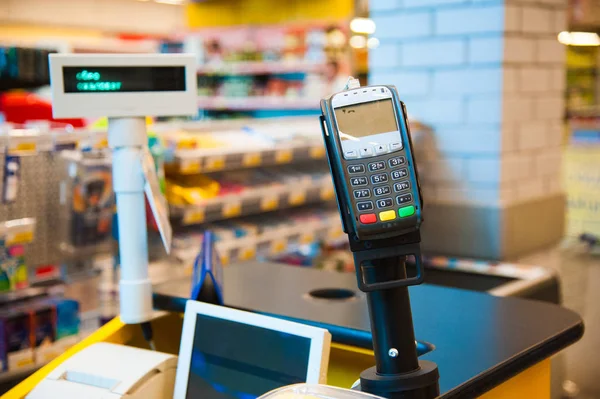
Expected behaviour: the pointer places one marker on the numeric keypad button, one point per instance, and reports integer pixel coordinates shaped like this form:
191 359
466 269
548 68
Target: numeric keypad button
399 174
364 193
364 206
384 203
375 166
397 161
354 169
380 178
404 199
358 181
383 190
401 186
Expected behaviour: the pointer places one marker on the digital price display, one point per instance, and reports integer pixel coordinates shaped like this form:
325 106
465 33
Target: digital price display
123 79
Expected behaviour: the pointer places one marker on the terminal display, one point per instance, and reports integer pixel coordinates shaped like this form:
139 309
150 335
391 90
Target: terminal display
366 119
123 79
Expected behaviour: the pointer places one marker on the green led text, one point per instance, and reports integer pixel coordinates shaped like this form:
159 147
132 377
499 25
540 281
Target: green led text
90 81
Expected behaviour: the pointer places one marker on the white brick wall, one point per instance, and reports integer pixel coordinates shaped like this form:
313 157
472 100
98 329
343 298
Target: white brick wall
489 77
519 49
434 53
386 56
516 108
550 51
532 135
484 50
468 81
484 109
407 83
536 19
483 170
534 79
549 107
404 25
465 20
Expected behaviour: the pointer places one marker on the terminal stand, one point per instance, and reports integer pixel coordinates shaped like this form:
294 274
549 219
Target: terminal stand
381 274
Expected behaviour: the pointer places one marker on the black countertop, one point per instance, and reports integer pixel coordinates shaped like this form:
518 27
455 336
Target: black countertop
480 340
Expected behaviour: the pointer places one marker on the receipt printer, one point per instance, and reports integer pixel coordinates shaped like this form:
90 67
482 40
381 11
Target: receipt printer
109 371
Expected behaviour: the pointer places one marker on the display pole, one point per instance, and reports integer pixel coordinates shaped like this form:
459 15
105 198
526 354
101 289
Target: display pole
381 273
127 138
391 318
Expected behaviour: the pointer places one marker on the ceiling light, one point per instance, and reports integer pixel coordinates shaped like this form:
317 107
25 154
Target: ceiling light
373 42
579 38
358 41
362 25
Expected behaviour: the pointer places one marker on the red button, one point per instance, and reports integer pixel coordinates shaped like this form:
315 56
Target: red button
368 218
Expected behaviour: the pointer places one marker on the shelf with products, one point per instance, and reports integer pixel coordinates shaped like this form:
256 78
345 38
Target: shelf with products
29 139
252 103
259 68
265 236
268 192
217 146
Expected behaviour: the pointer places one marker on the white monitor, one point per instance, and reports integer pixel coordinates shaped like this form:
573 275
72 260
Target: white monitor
228 353
123 85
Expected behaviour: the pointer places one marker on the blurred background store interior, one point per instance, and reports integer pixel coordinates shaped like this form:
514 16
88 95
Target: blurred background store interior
504 101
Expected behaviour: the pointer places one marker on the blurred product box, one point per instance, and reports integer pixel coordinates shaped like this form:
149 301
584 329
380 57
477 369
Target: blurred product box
35 331
87 200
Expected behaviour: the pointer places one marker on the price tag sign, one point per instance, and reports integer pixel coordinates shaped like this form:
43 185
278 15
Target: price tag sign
232 209
297 197
317 152
194 216
269 202
284 156
278 246
327 193
22 145
252 159
215 163
247 253
335 233
19 237
157 200
307 238
189 166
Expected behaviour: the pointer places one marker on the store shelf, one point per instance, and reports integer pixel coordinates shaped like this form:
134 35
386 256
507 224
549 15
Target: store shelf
18 231
46 137
259 68
257 103
228 158
254 201
273 242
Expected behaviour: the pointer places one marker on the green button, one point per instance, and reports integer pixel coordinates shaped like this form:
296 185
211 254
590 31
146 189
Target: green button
406 211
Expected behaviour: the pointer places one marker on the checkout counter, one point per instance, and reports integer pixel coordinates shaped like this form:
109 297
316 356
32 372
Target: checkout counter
495 347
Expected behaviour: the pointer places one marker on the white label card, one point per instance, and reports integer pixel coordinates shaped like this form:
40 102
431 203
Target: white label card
157 200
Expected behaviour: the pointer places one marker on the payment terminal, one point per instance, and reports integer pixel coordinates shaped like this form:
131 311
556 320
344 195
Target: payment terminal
371 158
373 168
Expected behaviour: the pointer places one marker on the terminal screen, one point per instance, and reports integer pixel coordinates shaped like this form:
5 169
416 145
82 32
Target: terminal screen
366 119
123 79
236 360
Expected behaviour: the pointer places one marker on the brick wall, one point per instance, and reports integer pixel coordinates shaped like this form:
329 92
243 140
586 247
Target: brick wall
489 77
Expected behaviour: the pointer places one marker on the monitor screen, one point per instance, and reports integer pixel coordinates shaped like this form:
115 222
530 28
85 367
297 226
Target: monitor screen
236 360
123 79
366 119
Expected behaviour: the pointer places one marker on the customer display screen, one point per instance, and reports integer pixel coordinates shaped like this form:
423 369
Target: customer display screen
236 360
123 79
366 119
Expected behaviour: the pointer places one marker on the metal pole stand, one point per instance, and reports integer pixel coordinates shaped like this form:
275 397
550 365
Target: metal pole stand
381 274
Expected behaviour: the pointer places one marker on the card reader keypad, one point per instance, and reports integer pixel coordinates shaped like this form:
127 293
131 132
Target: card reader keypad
377 200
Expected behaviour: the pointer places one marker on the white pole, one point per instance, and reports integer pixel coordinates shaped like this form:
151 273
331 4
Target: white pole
127 138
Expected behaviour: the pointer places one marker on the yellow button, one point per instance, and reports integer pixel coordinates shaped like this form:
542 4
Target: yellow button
387 215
